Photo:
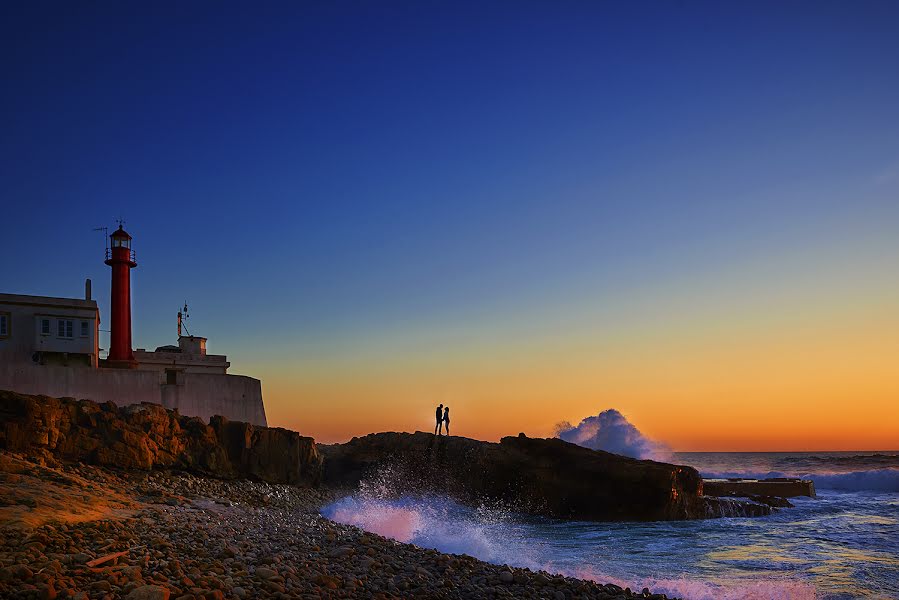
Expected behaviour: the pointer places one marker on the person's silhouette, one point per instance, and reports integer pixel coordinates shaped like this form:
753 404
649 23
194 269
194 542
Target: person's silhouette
439 425
446 419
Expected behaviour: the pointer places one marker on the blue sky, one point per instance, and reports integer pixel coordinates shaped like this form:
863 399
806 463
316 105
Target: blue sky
302 173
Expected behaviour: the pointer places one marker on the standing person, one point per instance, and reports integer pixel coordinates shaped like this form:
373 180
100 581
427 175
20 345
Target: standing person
446 419
439 425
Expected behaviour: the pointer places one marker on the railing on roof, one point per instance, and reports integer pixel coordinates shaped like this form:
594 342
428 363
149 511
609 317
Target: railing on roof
132 256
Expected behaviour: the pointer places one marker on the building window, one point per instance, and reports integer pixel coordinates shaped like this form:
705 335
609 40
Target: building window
84 329
171 376
45 326
64 328
4 324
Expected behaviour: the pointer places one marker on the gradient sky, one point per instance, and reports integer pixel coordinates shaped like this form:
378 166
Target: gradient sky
530 211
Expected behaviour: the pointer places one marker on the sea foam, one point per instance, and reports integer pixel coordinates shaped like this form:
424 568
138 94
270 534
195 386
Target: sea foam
489 535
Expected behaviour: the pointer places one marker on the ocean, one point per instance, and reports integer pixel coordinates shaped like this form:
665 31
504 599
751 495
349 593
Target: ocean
842 544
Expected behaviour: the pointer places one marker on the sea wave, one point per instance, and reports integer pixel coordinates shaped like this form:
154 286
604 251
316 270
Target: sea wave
870 480
833 462
492 536
694 589
432 522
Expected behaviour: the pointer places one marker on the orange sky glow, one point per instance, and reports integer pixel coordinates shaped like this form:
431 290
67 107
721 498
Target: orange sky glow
810 361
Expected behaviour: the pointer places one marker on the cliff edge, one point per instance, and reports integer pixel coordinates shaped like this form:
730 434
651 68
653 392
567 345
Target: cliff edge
147 436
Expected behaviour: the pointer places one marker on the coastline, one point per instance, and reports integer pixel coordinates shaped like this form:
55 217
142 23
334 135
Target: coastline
174 535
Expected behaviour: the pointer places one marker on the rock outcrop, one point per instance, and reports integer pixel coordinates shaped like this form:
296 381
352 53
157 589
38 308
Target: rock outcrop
778 487
540 476
147 436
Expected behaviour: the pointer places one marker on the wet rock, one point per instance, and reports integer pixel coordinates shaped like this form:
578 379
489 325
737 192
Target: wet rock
772 501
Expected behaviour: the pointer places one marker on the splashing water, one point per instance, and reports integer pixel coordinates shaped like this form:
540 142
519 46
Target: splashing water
840 545
612 432
432 522
439 523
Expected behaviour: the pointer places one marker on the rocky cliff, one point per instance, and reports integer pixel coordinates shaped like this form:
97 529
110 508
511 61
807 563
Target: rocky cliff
541 476
146 436
538 476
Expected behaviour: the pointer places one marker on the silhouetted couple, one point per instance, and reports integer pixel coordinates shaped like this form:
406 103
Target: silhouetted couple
442 419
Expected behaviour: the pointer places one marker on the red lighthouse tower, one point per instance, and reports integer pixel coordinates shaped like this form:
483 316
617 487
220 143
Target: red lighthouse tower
121 258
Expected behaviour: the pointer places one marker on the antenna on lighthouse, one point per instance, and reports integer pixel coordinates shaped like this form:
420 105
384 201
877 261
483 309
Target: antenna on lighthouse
105 231
182 315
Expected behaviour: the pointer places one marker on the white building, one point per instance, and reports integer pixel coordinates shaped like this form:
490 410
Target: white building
189 356
50 346
49 331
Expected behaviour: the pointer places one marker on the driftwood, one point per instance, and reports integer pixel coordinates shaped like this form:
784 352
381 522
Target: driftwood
113 556
107 558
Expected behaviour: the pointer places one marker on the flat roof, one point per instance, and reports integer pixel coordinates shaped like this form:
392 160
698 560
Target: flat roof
48 301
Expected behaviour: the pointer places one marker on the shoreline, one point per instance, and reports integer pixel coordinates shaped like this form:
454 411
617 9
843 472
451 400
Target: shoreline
175 535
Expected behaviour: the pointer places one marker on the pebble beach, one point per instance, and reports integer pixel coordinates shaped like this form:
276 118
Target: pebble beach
79 531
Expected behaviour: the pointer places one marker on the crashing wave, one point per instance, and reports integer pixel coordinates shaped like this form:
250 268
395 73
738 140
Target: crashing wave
432 522
495 537
610 431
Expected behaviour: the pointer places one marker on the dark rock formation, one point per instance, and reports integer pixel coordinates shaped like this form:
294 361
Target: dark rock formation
772 501
779 487
735 507
541 476
146 436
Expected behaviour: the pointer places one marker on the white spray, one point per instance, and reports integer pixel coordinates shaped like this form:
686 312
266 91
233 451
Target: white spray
612 432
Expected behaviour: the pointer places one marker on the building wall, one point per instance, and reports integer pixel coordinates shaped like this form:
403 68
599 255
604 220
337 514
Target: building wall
189 363
19 344
77 344
25 335
201 395
236 397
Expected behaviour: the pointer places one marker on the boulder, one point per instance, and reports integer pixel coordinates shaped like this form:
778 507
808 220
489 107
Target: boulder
147 436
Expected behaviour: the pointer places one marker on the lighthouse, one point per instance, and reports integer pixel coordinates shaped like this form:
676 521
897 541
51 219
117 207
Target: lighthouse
121 258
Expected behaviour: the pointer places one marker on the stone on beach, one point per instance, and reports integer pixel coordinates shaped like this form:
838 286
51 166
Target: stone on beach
149 592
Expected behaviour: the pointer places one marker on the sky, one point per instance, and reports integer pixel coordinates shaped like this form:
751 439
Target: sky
528 211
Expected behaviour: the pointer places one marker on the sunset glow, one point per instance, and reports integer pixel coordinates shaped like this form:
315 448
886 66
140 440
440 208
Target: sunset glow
531 216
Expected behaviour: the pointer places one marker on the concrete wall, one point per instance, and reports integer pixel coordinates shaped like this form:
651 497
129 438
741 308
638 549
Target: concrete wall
236 397
189 363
